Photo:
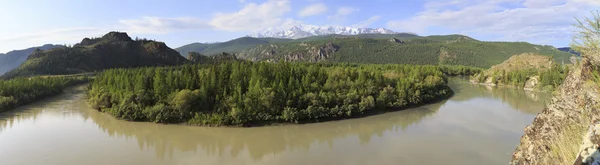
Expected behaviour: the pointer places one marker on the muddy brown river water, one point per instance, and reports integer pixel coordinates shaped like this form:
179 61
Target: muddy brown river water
479 125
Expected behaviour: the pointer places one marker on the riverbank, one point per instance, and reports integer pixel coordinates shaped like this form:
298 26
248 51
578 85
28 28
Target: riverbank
21 91
513 86
369 113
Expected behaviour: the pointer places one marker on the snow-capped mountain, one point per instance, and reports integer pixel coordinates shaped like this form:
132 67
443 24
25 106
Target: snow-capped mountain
301 31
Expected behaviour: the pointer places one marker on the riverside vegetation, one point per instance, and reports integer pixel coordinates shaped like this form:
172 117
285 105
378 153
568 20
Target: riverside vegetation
20 91
246 93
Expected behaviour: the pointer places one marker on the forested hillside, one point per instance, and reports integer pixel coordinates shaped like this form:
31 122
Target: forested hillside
433 50
400 48
233 46
214 59
113 50
13 59
240 44
244 93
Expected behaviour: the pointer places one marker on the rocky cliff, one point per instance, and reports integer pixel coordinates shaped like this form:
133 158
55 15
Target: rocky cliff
560 133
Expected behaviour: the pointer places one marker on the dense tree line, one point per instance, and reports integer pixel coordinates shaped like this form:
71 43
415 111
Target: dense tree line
241 93
20 91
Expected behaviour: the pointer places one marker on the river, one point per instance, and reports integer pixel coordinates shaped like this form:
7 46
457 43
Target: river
478 125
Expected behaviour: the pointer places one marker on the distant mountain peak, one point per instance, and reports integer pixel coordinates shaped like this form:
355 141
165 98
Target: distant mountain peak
303 30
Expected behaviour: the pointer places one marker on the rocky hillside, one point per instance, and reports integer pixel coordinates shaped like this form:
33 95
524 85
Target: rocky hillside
528 71
113 50
13 59
560 133
433 50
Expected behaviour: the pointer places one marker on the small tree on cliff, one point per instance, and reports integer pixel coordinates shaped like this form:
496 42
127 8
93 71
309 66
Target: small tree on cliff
587 37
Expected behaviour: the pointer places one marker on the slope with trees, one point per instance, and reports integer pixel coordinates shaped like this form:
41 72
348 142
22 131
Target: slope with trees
113 50
233 46
433 50
13 59
528 71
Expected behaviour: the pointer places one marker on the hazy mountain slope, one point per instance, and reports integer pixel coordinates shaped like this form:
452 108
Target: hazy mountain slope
234 46
15 58
113 50
568 49
453 50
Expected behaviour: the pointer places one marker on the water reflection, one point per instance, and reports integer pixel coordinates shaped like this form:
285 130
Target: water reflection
260 141
525 101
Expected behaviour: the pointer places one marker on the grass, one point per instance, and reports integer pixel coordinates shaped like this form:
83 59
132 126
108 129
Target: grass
566 146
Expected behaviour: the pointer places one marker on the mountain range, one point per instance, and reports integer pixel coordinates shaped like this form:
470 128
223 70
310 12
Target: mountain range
303 31
13 59
118 50
403 48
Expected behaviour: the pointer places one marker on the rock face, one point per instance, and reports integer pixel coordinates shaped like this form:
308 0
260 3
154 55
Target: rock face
590 153
532 83
554 136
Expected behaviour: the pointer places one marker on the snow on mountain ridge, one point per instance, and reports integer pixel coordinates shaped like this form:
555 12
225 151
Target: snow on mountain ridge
301 31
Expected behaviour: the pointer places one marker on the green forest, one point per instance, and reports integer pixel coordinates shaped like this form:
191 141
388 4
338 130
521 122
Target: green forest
240 93
20 91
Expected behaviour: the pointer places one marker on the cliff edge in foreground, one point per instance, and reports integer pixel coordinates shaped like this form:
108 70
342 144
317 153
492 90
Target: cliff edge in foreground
557 133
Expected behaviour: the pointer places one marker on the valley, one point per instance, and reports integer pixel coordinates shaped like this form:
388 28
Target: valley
304 95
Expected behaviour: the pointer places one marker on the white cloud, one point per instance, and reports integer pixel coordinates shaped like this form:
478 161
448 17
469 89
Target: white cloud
314 9
253 16
57 36
159 25
367 22
341 13
541 3
539 21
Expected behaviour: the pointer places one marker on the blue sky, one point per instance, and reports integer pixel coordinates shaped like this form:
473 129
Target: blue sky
178 22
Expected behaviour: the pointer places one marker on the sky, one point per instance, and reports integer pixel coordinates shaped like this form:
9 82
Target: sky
29 23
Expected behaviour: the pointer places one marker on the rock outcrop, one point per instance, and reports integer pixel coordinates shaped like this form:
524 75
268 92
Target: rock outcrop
531 64
556 134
